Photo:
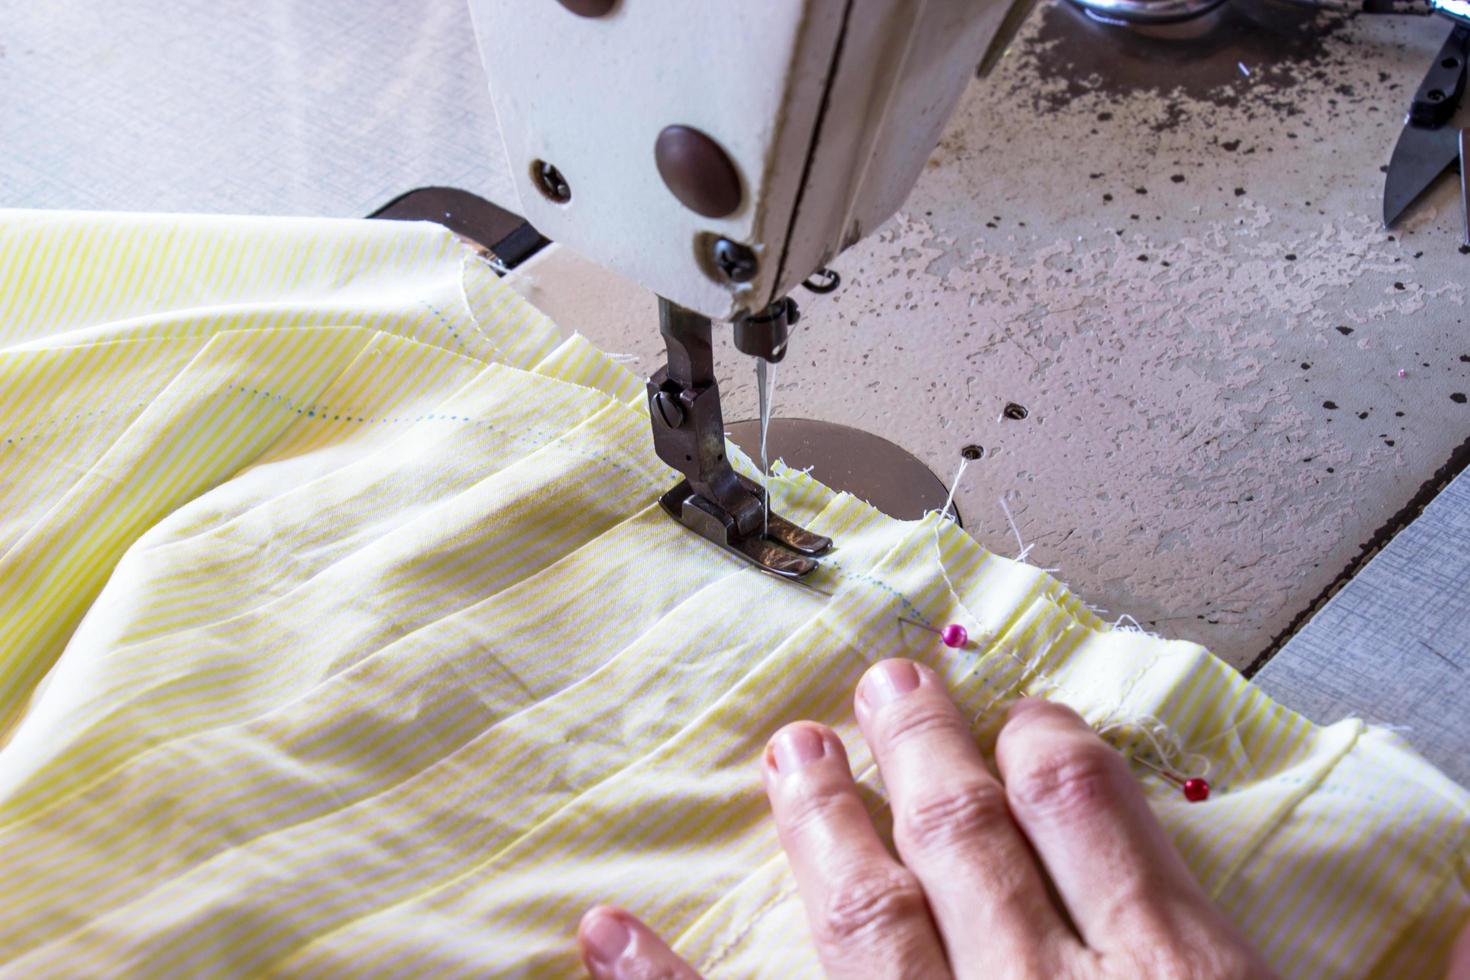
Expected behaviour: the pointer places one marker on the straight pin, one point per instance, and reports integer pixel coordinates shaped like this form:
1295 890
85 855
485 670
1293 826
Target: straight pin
1196 790
953 635
809 587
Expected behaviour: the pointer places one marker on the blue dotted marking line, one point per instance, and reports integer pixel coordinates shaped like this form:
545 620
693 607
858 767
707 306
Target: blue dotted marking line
18 436
448 324
325 414
841 570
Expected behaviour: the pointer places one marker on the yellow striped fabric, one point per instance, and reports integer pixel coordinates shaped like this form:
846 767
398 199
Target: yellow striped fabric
340 634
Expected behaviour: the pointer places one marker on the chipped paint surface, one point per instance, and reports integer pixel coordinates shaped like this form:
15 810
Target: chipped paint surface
1187 288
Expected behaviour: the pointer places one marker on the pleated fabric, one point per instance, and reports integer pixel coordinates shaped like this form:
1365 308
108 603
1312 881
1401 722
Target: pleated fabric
341 634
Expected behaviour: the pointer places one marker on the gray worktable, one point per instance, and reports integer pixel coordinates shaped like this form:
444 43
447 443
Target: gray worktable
1393 645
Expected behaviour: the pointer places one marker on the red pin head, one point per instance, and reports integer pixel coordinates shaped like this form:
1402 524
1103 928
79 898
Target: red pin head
1196 790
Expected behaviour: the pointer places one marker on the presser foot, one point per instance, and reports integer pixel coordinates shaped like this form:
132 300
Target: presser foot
786 550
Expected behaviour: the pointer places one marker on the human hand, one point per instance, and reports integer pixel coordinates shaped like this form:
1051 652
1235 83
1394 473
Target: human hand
1057 868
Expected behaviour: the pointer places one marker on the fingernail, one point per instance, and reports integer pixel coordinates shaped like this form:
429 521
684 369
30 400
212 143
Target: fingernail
889 681
797 746
606 938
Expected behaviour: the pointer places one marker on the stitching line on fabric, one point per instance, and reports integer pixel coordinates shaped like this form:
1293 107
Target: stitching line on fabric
465 873
447 324
123 763
996 643
842 572
760 912
1284 811
14 436
496 287
324 414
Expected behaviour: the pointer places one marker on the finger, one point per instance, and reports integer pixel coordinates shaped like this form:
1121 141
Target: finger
1460 956
867 911
616 946
953 828
1077 801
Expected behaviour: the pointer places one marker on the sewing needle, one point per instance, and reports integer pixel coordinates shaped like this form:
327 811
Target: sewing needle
764 395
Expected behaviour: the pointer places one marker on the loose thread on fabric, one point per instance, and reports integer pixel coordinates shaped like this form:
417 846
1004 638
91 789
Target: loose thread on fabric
1127 624
1164 743
1161 740
1158 735
947 510
1025 548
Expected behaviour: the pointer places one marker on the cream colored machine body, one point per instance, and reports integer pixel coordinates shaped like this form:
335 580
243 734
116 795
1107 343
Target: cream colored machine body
720 155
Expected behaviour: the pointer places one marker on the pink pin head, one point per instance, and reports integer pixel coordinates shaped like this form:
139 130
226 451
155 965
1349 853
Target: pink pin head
1196 790
954 635
1403 373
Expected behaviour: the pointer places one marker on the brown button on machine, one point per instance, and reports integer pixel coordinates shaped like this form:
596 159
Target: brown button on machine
588 8
698 171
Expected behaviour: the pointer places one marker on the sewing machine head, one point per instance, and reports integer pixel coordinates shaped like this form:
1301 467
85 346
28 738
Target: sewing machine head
720 155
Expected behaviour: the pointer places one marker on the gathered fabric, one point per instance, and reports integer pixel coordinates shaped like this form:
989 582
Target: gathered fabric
341 634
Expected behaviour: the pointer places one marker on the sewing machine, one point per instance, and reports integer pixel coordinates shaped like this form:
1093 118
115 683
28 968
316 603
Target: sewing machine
721 156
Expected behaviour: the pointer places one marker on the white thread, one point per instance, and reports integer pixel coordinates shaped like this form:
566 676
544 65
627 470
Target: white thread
1242 761
944 512
1134 626
624 358
1163 742
1025 548
1159 737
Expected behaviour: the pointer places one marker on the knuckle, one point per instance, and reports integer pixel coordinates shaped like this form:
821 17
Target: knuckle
921 719
952 814
1064 783
811 807
868 906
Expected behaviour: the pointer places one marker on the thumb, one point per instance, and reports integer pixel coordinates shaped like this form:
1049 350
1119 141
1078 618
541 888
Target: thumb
616 946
